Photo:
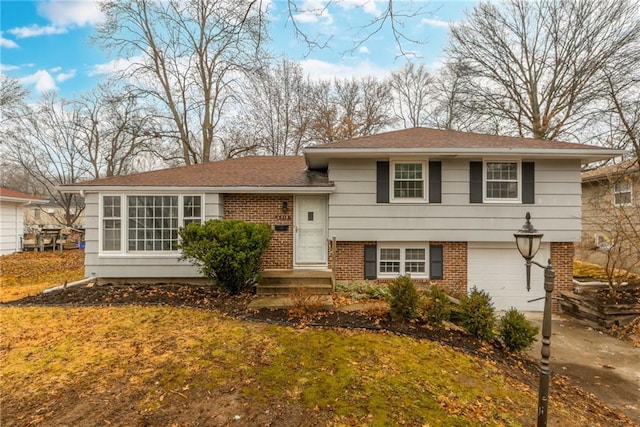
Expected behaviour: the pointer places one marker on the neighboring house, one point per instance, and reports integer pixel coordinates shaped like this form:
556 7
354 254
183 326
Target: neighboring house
48 214
11 219
611 216
439 205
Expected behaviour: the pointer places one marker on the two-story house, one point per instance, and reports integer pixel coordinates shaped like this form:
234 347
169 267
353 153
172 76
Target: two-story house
439 205
611 216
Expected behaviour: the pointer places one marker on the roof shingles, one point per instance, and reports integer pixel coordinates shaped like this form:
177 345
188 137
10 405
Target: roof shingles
258 171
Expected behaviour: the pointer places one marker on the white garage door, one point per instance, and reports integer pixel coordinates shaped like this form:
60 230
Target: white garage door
500 270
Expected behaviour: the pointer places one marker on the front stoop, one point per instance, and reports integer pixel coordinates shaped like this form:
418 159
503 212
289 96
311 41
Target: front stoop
292 282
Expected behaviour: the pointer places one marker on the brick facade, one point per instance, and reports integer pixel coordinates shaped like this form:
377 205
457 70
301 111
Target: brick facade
562 254
266 208
350 265
349 262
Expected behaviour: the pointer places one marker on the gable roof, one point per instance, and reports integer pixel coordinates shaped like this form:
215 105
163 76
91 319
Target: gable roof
443 143
627 167
9 195
238 173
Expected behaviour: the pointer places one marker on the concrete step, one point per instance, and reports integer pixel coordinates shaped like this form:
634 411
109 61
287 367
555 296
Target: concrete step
291 282
292 289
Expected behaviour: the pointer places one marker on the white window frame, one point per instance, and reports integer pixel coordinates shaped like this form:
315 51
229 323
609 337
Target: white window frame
392 175
403 247
485 182
616 192
124 223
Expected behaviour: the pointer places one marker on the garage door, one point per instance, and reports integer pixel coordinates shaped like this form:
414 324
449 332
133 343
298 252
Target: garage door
499 269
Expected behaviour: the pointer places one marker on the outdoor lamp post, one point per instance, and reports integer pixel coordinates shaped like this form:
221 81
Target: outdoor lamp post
528 242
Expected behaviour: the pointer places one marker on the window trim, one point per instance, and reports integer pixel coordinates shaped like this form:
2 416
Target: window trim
425 181
616 192
124 221
403 252
485 181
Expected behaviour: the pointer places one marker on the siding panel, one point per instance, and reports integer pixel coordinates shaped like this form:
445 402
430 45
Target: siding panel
355 215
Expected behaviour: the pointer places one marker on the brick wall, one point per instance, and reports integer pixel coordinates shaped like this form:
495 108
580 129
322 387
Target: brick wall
350 265
266 208
562 254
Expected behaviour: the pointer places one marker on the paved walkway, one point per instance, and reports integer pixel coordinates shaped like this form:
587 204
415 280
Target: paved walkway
600 364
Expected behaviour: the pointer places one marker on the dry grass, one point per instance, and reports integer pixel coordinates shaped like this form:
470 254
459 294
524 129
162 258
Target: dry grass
151 353
28 273
587 270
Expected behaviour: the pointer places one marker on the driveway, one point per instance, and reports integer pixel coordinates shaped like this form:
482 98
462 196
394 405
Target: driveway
600 364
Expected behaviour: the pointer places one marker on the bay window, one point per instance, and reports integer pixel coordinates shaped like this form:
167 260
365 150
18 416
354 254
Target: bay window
152 221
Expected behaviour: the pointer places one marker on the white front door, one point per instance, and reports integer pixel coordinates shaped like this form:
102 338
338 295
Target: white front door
311 231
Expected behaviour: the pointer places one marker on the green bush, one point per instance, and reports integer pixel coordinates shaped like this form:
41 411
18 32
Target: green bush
477 314
437 307
403 299
226 251
516 333
363 290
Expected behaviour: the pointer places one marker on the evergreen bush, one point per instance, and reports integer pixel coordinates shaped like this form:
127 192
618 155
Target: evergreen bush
477 314
403 299
437 306
226 251
515 332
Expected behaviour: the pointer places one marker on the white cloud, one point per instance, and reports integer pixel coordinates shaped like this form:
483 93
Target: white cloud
363 49
437 23
65 76
369 6
42 80
317 69
4 68
119 64
312 12
36 30
55 69
7 44
75 12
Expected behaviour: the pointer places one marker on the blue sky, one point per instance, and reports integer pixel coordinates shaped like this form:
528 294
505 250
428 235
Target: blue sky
45 44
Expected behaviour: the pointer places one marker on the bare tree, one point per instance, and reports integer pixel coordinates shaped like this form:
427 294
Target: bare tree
12 98
539 64
48 147
185 56
412 89
116 130
393 18
350 107
278 108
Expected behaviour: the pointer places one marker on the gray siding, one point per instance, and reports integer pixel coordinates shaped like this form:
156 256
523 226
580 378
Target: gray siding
137 266
354 214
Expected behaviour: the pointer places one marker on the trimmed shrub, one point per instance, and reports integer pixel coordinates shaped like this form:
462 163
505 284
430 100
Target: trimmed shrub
226 251
515 332
403 299
477 314
437 307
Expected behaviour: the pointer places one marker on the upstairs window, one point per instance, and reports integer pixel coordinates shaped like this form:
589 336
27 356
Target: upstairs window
622 193
502 181
408 180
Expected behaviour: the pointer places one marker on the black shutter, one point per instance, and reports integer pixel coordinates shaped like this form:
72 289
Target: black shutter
370 262
435 182
435 262
528 183
382 174
475 182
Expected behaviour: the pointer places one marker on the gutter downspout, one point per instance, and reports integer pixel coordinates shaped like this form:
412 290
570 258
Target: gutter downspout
70 285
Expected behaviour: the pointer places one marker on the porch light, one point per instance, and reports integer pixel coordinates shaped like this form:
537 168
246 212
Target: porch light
528 241
285 207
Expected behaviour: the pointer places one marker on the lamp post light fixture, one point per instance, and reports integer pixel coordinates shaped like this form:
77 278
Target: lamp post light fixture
528 241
